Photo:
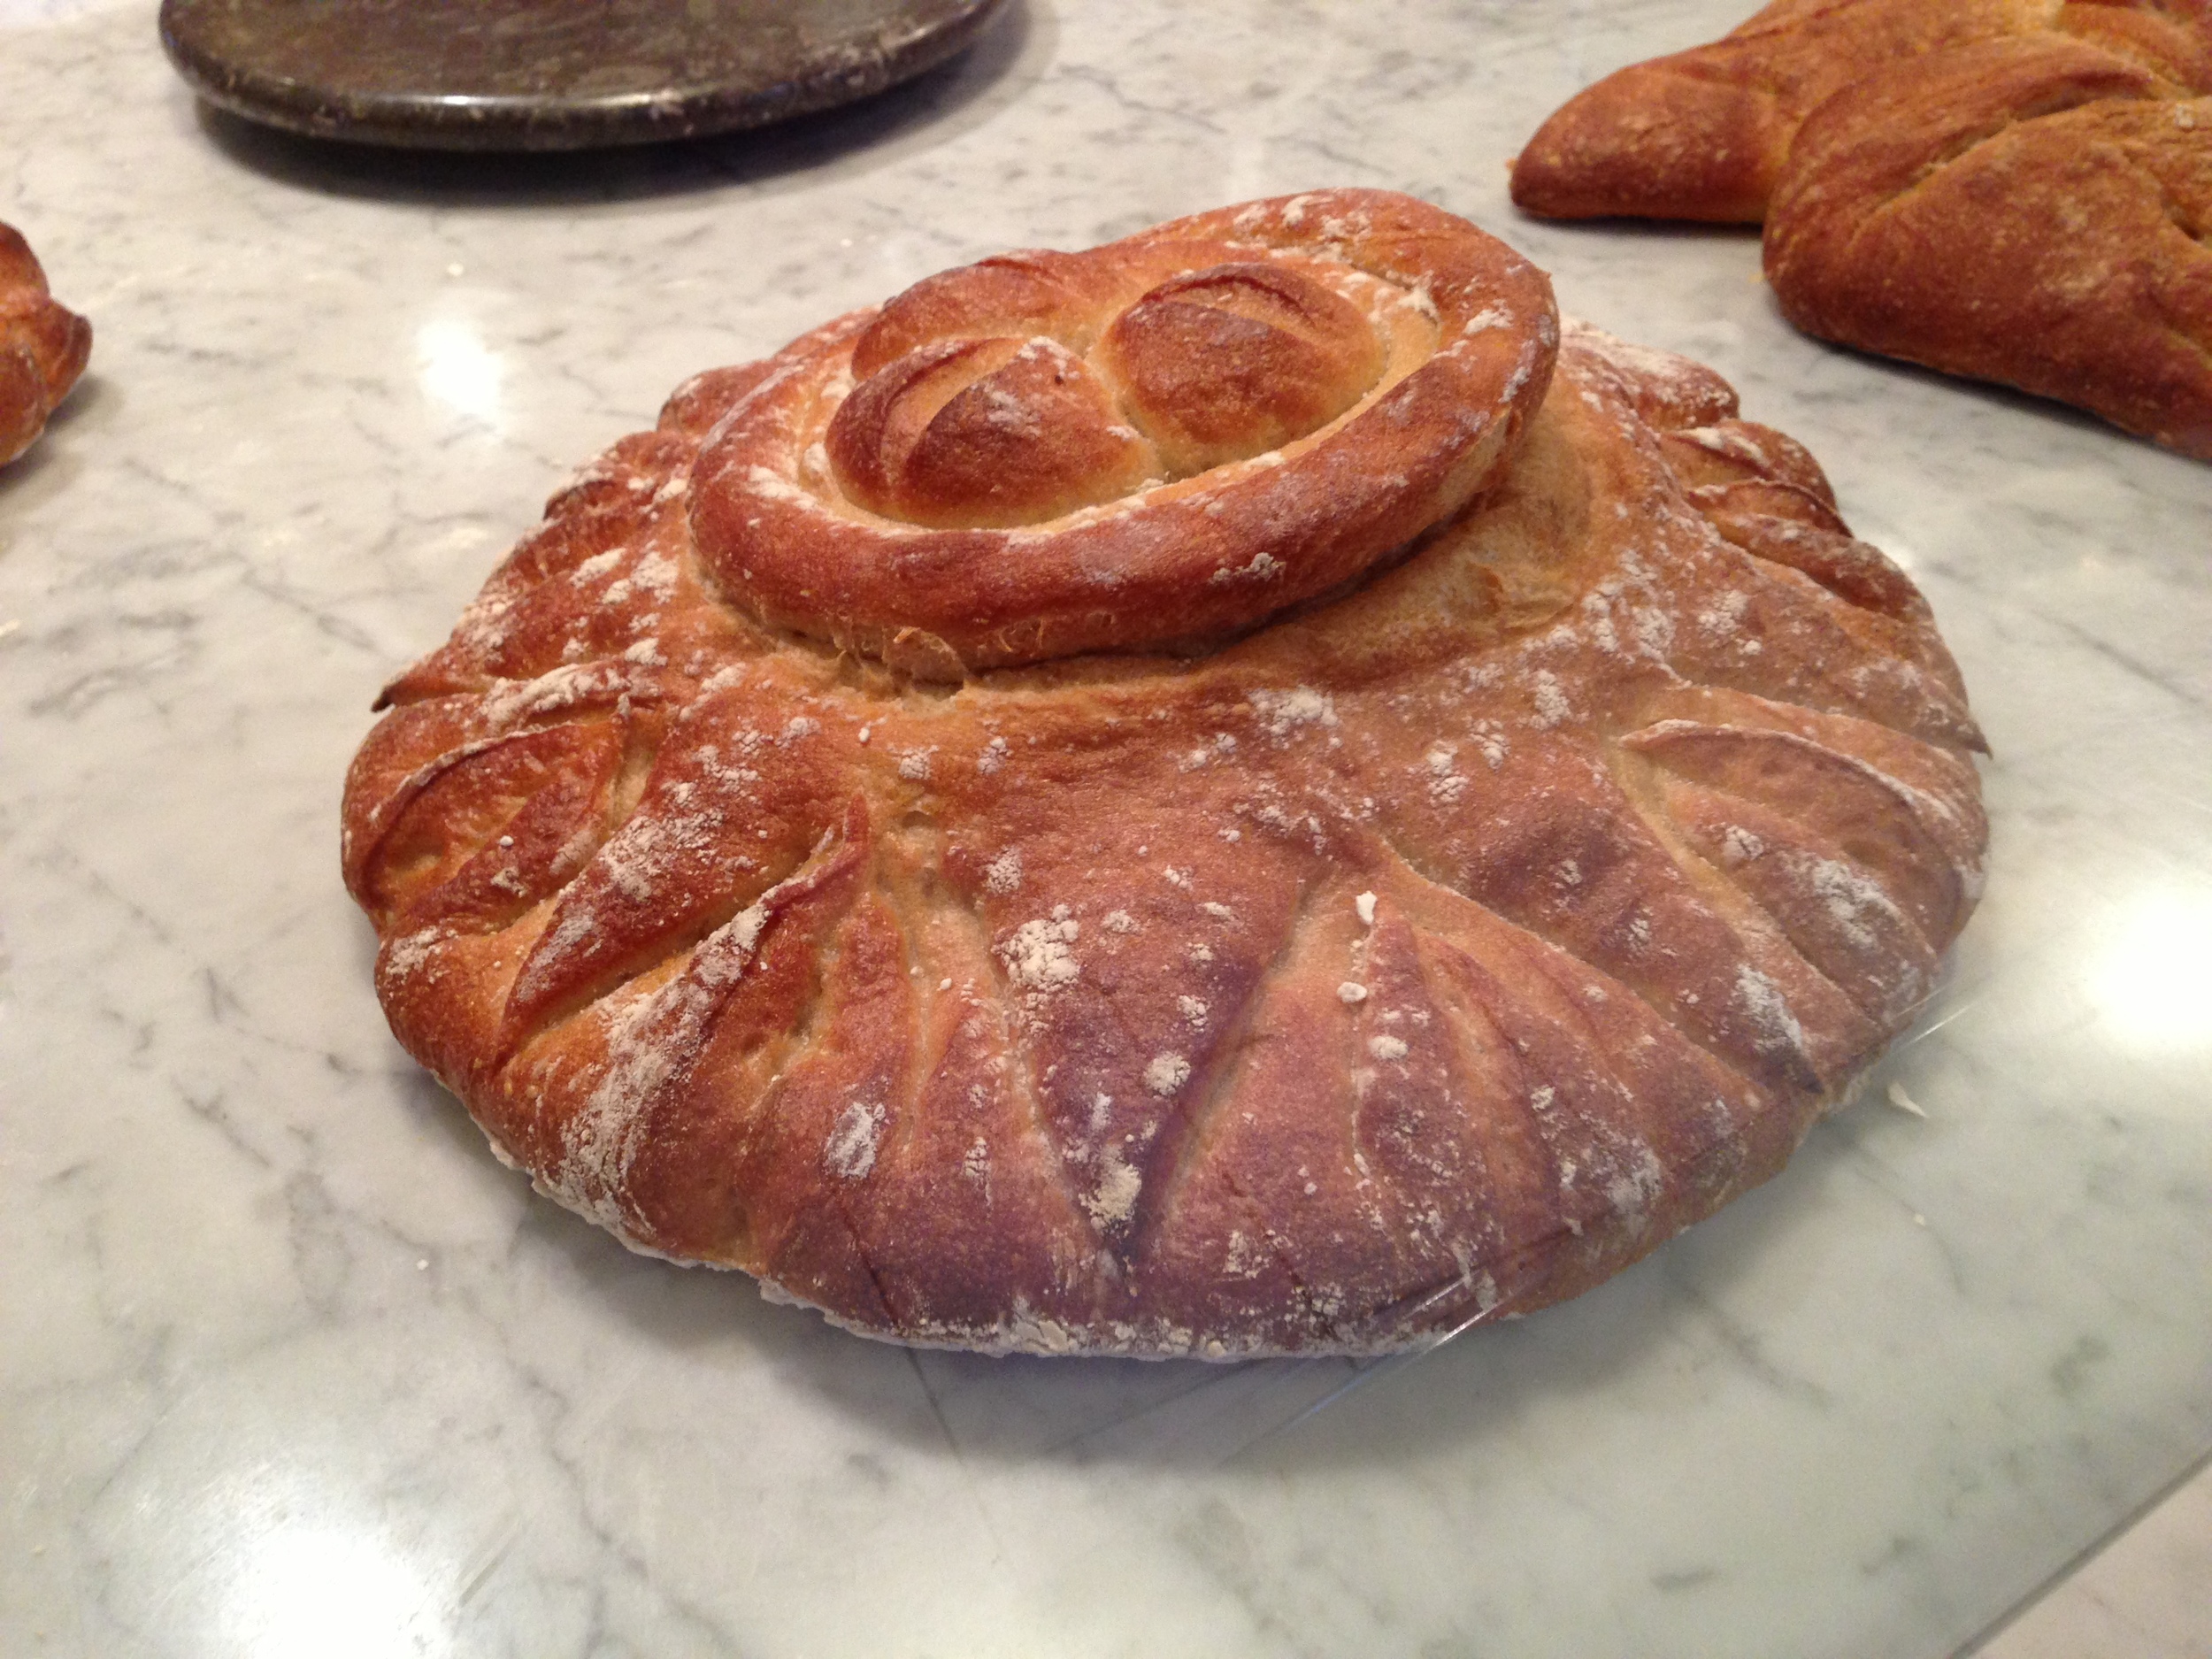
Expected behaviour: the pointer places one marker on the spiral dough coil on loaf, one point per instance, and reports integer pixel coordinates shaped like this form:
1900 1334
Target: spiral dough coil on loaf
1426 951
1161 441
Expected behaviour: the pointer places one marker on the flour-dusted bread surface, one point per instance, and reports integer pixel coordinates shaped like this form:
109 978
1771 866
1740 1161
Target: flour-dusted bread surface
2017 190
1316 972
42 347
2065 254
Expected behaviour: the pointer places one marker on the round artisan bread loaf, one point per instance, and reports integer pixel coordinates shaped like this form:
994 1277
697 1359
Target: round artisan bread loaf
43 347
1544 812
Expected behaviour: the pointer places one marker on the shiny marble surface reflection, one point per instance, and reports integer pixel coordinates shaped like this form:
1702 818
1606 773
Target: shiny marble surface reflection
289 1364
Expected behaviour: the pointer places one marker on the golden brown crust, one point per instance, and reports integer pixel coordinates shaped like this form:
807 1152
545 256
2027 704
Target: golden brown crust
1162 441
43 347
2016 190
1429 953
2092 283
1704 133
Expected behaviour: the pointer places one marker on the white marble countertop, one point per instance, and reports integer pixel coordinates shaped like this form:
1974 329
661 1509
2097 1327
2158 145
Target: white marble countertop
289 1365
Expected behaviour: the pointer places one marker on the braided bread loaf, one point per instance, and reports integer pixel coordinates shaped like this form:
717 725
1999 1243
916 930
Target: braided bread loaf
1440 925
2017 190
43 348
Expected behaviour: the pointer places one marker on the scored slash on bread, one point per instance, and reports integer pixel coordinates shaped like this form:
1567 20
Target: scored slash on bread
2017 190
43 347
1422 952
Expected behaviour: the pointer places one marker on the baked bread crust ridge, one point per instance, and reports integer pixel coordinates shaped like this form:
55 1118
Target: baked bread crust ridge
2085 225
1487 921
2011 190
1122 548
43 347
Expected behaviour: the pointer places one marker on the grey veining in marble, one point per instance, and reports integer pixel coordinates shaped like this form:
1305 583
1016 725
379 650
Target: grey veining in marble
289 1364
